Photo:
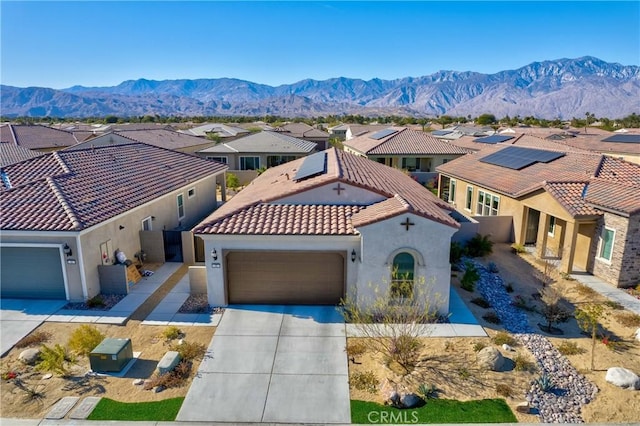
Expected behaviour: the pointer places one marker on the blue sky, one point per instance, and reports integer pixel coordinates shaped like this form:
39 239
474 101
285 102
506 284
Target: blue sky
60 44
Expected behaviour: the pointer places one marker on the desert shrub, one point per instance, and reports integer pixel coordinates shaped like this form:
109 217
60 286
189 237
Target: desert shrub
479 246
570 348
464 373
503 338
456 252
428 391
96 302
470 277
545 383
504 390
492 318
566 276
521 303
84 339
480 301
518 248
55 360
405 350
171 333
492 267
33 339
478 346
32 392
522 363
616 306
365 381
355 348
172 379
628 319
189 350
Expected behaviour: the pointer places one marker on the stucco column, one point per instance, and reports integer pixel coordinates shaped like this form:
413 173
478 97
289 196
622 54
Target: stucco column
223 187
569 247
541 240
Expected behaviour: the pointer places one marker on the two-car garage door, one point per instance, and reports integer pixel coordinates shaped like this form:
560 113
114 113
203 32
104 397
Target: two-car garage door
31 272
284 277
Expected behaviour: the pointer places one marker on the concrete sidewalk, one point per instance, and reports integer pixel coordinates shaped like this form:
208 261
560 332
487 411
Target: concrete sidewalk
615 294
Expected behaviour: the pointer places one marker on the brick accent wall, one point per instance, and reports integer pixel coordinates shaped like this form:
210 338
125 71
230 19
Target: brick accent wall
624 268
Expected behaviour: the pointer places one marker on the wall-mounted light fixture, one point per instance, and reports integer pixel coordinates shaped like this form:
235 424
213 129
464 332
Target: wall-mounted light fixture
353 255
121 227
214 254
67 250
153 218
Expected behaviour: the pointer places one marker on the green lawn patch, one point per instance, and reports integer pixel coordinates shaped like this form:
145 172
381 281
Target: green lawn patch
435 411
108 409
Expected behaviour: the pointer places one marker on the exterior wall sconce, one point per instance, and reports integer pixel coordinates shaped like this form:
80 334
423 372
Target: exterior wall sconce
353 255
67 250
153 218
121 227
214 254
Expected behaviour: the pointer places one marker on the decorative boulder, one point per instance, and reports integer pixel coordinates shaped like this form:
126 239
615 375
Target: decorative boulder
29 356
168 362
523 407
393 400
507 348
411 400
637 335
490 358
623 378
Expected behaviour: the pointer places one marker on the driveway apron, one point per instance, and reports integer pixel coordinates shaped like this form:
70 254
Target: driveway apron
273 364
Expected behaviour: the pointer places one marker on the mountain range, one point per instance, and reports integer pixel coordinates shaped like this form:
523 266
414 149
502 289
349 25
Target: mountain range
562 88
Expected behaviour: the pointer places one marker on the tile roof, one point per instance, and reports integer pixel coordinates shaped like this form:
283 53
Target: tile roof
615 186
403 142
222 130
264 143
163 138
277 183
36 136
572 167
74 190
569 195
10 153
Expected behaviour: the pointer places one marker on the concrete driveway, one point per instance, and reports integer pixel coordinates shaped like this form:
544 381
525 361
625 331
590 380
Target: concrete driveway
19 317
273 364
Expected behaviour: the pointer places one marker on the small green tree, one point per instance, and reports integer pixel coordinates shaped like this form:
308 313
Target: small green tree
589 318
555 309
232 181
55 360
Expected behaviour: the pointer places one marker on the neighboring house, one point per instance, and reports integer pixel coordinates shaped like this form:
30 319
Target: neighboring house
479 143
36 137
162 138
580 208
402 148
10 153
316 229
305 132
355 130
222 131
455 132
246 155
63 215
619 145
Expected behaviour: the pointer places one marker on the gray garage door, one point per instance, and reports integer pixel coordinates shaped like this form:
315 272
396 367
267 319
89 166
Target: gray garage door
31 272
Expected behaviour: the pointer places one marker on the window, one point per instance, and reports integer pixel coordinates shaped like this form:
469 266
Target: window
276 160
606 244
249 163
411 164
191 192
402 275
488 204
180 200
552 226
469 199
222 160
147 224
452 190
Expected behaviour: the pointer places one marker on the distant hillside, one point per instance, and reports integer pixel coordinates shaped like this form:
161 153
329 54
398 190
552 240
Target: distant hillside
562 88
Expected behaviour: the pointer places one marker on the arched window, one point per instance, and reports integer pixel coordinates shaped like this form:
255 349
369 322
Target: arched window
402 274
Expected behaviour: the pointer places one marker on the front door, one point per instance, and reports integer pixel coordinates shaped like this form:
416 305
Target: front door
533 220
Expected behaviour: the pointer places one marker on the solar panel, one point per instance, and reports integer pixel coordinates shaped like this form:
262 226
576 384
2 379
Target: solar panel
382 134
441 132
314 164
517 158
623 139
493 139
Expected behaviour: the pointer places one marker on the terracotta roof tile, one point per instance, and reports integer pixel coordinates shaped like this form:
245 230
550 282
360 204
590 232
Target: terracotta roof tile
278 182
616 186
264 142
404 141
10 154
36 136
569 194
73 190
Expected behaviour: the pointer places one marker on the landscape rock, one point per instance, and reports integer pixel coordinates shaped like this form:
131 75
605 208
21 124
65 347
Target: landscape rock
138 382
523 407
637 335
47 376
29 356
508 348
159 389
393 400
411 400
623 378
490 358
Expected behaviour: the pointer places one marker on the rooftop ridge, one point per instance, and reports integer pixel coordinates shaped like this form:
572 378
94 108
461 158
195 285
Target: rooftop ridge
61 162
77 224
13 134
